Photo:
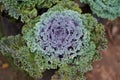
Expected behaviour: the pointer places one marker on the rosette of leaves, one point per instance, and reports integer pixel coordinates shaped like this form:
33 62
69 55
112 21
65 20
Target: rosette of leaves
108 9
62 38
26 9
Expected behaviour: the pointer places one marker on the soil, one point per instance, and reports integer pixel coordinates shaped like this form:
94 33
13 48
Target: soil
108 68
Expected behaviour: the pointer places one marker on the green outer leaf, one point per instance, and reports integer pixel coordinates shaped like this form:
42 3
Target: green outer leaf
26 9
9 45
108 9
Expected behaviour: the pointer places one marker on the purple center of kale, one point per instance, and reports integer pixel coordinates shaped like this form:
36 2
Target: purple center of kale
60 34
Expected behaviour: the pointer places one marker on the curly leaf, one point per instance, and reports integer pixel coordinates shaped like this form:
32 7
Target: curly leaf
108 9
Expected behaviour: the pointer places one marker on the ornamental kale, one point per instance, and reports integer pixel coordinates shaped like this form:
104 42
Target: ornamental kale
62 38
60 34
104 8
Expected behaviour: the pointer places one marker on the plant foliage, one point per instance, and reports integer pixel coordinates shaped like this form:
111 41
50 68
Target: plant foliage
25 9
108 9
60 38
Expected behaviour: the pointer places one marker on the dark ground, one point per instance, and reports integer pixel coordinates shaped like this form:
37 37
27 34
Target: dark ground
108 68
